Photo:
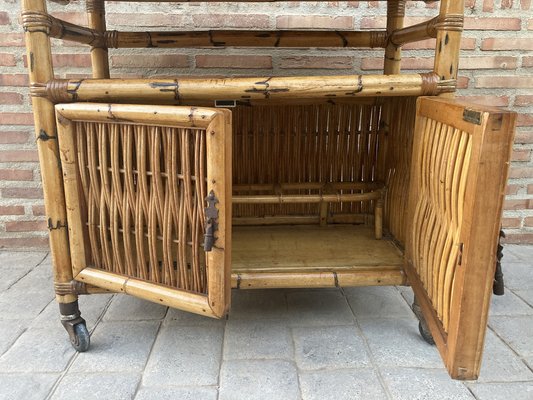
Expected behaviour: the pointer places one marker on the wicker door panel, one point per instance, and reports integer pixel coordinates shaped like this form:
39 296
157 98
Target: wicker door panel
147 191
458 175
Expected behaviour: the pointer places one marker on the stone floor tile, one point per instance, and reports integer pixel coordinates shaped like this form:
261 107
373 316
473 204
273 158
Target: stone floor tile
22 259
500 363
407 294
397 342
23 305
26 386
258 304
185 393
330 347
185 356
118 347
318 308
522 252
526 295
502 391
129 308
509 304
184 318
257 339
518 276
345 384
378 302
516 332
423 384
258 380
38 350
100 386
39 278
10 275
10 330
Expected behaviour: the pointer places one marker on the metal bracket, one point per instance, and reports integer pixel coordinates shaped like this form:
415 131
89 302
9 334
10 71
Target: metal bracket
72 287
498 284
70 317
472 116
211 221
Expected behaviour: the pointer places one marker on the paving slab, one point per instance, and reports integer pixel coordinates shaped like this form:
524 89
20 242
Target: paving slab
518 276
258 380
509 304
12 274
397 342
9 332
500 363
344 384
183 318
516 331
257 339
185 356
378 302
100 386
23 305
258 304
38 350
521 252
330 347
118 347
423 384
526 295
186 393
26 386
129 308
502 391
39 278
318 308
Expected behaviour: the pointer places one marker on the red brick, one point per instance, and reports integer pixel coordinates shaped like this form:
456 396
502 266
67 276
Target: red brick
72 60
313 21
25 226
10 98
487 100
530 189
22 193
14 137
488 5
518 238
38 211
256 21
146 19
523 100
212 61
512 189
18 156
11 210
492 24
507 4
14 80
486 62
381 22
462 82
7 60
525 4
521 155
4 18
523 137
317 62
25 242
528 221
78 18
527 61
16 119
524 119
521 172
491 81
511 223
151 61
515 204
16 175
507 44
11 39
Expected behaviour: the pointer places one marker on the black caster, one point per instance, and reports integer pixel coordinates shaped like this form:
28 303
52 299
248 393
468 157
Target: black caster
425 333
75 326
81 339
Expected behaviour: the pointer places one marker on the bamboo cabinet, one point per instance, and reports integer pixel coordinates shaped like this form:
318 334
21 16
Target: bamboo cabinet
178 190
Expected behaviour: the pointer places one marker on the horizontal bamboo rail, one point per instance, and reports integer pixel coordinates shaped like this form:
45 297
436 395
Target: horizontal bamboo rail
311 186
187 90
305 198
426 30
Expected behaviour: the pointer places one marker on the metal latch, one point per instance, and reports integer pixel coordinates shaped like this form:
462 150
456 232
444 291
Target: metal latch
226 103
472 116
211 221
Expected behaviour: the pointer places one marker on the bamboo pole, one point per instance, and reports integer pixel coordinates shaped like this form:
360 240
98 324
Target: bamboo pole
41 70
183 91
414 33
393 53
96 20
309 198
223 38
449 39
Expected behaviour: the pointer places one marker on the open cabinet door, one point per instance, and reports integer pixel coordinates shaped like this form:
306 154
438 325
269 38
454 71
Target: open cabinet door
148 195
459 170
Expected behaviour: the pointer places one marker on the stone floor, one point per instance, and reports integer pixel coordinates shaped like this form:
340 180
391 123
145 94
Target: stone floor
359 343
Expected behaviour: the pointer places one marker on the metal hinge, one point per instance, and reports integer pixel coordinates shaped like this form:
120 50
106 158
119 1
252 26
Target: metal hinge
472 116
211 221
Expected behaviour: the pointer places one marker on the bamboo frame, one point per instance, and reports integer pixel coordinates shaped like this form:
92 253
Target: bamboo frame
99 56
216 123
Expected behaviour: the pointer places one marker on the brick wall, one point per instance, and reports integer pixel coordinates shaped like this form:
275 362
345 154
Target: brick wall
496 68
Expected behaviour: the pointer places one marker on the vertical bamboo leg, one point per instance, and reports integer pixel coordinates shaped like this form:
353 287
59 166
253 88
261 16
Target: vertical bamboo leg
448 41
41 71
393 53
99 55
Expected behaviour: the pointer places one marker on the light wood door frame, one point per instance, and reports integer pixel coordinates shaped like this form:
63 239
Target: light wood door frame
217 124
466 250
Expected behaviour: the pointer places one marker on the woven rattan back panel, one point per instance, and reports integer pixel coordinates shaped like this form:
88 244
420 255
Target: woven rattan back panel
306 143
142 193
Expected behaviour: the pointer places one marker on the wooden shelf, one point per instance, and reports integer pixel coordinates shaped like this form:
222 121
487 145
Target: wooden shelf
304 256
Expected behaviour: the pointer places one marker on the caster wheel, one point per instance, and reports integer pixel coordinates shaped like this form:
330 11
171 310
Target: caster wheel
425 333
81 339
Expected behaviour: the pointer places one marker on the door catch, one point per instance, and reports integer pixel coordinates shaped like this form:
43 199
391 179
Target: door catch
211 221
